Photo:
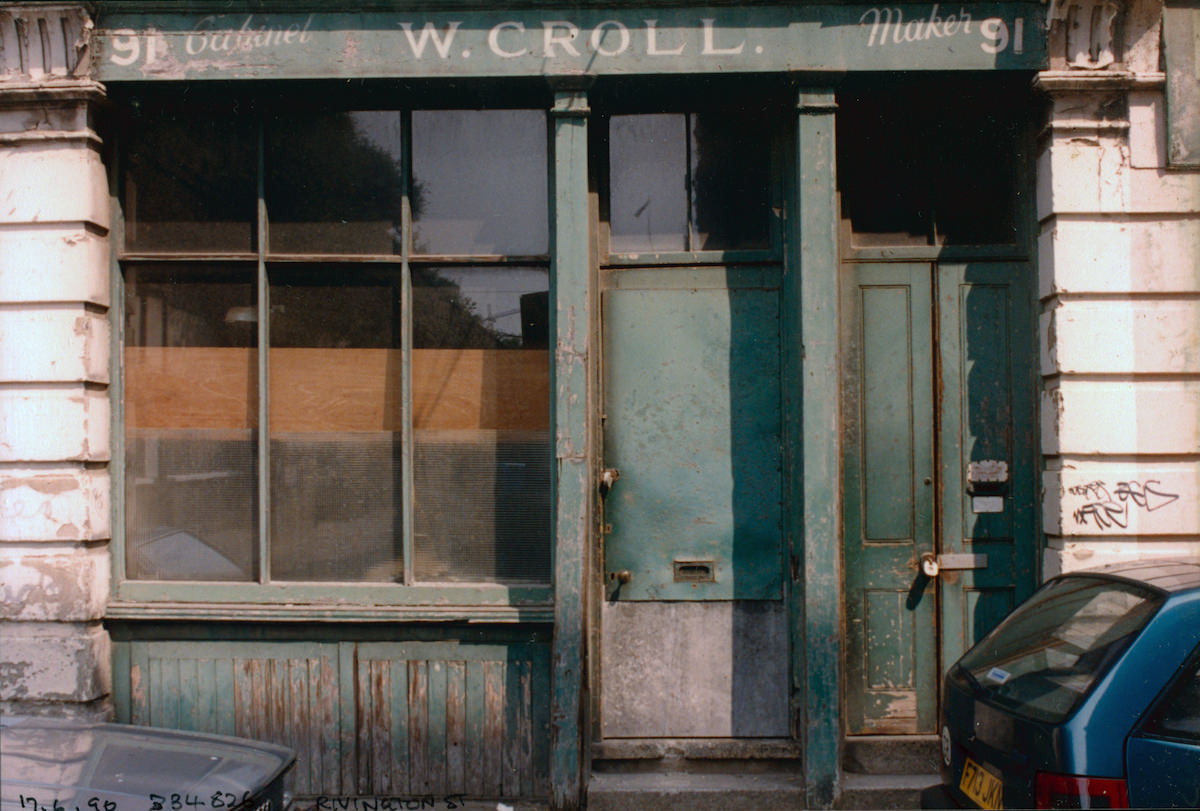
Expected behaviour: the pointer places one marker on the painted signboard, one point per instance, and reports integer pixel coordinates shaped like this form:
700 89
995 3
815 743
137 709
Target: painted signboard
938 36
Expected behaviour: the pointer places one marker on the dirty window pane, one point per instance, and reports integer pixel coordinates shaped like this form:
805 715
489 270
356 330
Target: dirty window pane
648 209
974 176
730 192
190 423
190 183
335 416
479 182
481 419
334 183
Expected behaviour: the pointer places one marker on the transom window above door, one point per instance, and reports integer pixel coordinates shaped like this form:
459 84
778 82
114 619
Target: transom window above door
335 349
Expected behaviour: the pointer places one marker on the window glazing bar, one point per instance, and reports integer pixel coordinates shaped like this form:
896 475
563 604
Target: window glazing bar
406 398
263 356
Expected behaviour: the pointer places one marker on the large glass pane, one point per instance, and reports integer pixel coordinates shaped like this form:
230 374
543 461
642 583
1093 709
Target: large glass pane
191 490
648 208
334 183
335 415
481 418
731 158
479 182
190 183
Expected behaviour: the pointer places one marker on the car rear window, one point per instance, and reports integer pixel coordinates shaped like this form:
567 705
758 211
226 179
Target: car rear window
1042 660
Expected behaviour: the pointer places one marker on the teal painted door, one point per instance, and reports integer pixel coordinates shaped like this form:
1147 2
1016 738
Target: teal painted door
692 424
939 463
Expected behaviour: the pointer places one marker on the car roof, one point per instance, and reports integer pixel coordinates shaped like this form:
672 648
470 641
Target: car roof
1169 575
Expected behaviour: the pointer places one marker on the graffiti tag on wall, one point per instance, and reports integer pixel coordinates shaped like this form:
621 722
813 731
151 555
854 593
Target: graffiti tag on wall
1105 508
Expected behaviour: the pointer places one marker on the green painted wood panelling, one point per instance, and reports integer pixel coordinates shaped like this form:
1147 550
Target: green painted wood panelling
692 406
888 499
571 404
986 343
371 718
814 431
522 42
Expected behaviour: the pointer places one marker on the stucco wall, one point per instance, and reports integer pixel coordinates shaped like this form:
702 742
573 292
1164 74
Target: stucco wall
1119 267
54 370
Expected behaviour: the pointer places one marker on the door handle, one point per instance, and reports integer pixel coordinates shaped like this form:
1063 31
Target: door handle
932 565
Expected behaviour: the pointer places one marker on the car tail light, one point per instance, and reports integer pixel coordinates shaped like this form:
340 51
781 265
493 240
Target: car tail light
1076 791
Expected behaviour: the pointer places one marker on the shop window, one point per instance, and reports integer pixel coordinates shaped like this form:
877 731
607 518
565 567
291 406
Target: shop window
932 161
688 182
340 405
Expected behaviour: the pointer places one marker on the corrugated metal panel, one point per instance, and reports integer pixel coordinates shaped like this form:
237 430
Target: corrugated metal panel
378 718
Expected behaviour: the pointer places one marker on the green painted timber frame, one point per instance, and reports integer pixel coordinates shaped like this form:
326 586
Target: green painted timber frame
159 42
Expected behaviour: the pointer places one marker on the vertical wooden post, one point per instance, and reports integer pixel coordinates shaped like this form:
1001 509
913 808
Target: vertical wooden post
811 296
570 324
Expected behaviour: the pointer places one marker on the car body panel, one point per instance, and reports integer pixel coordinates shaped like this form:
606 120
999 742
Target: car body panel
1091 739
49 763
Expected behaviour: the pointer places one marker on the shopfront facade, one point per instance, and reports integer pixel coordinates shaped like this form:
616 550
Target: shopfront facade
486 402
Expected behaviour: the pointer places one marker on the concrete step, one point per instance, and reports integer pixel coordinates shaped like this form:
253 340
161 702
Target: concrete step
682 791
891 754
860 791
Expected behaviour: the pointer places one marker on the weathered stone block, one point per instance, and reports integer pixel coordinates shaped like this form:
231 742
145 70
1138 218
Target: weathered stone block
1142 336
1070 556
54 424
54 661
53 585
1147 130
56 345
50 263
1120 255
55 181
1135 417
68 504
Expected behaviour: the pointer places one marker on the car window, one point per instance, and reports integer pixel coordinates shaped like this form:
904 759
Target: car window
1044 658
1178 715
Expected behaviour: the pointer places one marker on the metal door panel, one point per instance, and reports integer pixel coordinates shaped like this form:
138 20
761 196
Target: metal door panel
692 423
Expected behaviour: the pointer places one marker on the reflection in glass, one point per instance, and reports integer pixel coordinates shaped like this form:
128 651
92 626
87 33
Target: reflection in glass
335 417
191 497
730 189
648 182
334 183
479 182
190 183
481 417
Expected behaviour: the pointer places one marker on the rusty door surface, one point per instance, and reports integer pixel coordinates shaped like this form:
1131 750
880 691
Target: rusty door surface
938 504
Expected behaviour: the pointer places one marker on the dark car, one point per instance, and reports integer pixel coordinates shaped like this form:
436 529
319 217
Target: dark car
1086 696
60 765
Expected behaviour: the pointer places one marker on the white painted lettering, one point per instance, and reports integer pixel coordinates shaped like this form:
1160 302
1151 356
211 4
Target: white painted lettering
652 48
197 42
995 31
304 35
551 37
711 49
965 18
951 25
909 34
292 31
126 43
597 39
934 22
1019 35
494 39
430 32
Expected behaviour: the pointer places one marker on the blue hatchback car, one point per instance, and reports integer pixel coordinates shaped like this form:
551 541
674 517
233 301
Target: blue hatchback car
1086 696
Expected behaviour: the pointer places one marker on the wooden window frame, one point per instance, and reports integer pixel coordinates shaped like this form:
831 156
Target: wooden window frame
264 598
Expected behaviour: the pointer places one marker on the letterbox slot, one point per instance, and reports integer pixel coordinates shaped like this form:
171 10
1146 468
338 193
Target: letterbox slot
695 571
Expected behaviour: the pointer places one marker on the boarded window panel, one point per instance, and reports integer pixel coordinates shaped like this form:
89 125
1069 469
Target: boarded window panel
481 417
648 182
479 182
336 487
189 183
334 183
191 457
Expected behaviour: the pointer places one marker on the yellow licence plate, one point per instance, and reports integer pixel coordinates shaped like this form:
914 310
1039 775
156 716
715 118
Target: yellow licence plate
980 785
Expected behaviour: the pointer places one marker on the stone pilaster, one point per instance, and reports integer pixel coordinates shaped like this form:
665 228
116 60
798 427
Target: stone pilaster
1119 268
55 413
